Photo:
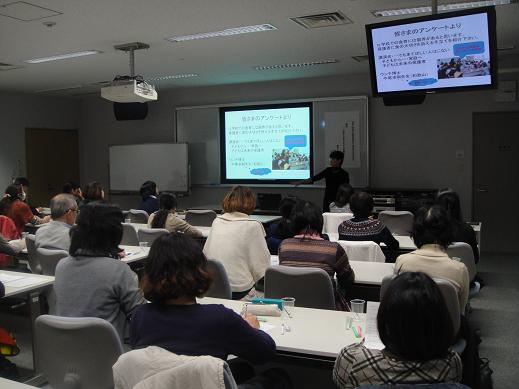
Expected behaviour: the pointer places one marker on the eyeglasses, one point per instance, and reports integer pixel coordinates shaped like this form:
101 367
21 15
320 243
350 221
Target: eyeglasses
73 210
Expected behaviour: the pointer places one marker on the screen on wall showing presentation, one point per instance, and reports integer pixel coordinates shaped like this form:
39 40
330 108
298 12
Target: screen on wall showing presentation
266 144
445 51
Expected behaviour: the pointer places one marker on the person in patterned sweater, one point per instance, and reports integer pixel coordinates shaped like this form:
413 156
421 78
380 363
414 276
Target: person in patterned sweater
361 227
415 327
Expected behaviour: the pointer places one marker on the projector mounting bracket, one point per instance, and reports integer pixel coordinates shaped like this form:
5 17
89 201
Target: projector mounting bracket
130 49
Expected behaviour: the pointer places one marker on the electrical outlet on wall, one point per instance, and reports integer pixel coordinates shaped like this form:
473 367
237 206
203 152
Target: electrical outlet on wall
460 154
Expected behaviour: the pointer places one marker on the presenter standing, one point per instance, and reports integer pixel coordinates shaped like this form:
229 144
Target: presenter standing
334 176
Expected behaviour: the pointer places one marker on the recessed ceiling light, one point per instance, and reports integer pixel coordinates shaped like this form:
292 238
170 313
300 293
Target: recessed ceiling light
296 65
226 32
173 77
441 7
62 56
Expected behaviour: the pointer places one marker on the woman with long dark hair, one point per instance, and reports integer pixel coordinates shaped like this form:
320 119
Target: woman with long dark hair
166 217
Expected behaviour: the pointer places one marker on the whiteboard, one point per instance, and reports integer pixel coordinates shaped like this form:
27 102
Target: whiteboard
164 163
339 123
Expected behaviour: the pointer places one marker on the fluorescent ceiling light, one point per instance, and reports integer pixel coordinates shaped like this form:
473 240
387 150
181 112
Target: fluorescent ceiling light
173 77
296 65
226 32
441 7
62 56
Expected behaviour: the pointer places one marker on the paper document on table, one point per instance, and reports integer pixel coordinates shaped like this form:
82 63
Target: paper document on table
5 278
372 339
266 327
23 281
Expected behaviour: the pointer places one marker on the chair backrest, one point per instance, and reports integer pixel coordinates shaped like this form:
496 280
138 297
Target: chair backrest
311 287
32 256
464 252
150 234
49 259
332 221
138 216
130 237
201 218
449 292
76 353
366 251
220 287
398 222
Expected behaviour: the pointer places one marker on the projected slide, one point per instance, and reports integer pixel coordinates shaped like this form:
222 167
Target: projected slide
266 143
443 53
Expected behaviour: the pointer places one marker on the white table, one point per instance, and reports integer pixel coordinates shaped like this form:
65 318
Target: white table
260 218
204 230
30 286
314 332
8 384
134 253
366 273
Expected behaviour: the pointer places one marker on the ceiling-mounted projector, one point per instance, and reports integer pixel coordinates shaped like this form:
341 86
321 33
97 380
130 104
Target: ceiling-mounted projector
128 89
132 88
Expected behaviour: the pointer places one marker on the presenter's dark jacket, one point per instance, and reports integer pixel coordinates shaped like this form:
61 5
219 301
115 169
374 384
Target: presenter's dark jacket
334 177
150 205
2 289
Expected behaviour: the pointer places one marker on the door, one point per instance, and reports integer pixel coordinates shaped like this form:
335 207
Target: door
496 179
52 159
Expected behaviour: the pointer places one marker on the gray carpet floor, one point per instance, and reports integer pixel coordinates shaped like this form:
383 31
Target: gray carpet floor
495 311
496 314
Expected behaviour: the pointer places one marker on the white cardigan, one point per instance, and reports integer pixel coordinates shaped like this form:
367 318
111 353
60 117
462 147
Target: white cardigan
239 243
154 368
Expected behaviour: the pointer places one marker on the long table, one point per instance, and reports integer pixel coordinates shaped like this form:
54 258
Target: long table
29 286
317 333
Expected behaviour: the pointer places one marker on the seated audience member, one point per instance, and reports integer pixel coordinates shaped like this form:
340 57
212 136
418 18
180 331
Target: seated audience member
341 203
9 248
239 242
416 329
2 290
174 276
13 206
93 191
92 281
24 183
281 229
361 227
55 235
308 249
432 233
74 189
166 217
462 232
149 193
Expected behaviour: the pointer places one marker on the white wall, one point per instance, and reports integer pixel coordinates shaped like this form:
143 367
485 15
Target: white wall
410 147
20 111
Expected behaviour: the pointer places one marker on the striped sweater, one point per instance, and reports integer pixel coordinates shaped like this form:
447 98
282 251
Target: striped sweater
322 254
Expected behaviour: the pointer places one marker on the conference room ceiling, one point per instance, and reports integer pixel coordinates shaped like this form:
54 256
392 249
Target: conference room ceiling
27 31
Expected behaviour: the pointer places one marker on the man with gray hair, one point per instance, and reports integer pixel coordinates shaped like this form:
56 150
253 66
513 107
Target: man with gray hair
56 234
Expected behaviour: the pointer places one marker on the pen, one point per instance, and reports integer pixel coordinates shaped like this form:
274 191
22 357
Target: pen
355 332
360 332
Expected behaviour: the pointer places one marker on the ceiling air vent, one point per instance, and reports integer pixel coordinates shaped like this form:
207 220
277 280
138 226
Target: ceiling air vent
322 20
8 66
